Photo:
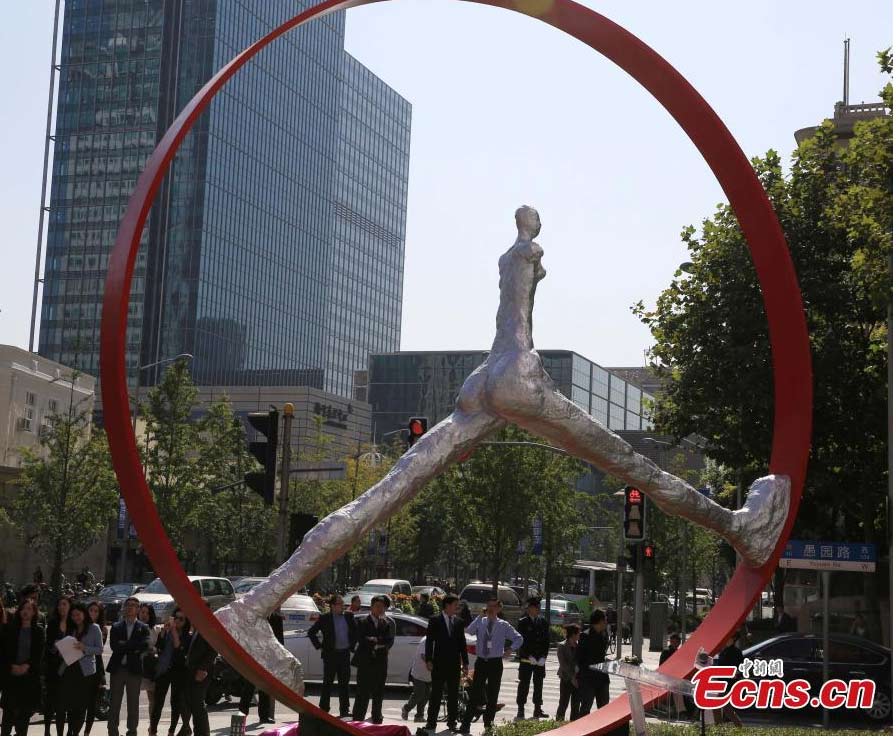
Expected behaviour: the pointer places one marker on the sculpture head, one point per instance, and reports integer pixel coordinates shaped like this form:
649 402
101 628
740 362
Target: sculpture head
527 222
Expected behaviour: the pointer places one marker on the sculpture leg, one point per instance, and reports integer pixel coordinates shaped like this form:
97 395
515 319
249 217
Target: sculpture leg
752 530
335 535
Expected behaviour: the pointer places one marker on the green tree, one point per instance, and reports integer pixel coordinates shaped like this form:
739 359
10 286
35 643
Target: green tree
172 448
711 338
69 492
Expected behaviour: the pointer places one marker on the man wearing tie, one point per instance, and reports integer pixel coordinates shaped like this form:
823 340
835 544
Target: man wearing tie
492 635
446 650
533 654
376 634
339 639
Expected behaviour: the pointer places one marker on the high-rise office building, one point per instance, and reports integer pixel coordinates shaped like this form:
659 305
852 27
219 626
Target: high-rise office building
275 249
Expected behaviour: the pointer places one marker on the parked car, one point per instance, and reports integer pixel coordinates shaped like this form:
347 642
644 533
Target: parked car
476 594
562 612
216 592
408 632
431 590
849 657
378 587
112 597
704 604
299 611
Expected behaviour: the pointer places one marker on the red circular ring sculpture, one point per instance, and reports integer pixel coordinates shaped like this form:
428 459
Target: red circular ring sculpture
771 258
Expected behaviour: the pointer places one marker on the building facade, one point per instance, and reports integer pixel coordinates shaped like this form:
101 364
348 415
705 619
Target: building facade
406 384
32 390
274 251
325 425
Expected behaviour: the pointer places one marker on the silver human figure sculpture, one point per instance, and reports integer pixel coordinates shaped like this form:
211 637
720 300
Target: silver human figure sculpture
510 386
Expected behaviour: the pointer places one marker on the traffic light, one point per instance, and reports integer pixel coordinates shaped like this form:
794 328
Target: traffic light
299 525
634 523
649 554
416 427
262 482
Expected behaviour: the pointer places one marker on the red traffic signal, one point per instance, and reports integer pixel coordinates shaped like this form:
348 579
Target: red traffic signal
648 552
417 426
634 521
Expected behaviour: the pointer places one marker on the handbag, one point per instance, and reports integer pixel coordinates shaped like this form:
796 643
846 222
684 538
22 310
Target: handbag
149 665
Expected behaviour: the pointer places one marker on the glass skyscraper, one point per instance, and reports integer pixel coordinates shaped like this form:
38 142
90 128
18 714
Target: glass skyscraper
275 249
426 383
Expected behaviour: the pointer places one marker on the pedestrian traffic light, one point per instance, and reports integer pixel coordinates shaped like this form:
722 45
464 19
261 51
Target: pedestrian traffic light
416 427
299 525
649 554
634 523
262 482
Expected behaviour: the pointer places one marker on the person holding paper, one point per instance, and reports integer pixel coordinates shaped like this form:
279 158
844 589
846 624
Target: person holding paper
533 655
492 635
21 654
78 677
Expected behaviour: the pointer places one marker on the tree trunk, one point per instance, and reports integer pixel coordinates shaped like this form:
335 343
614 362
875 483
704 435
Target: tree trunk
56 573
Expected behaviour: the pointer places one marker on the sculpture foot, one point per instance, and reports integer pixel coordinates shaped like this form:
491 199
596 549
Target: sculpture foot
255 635
758 524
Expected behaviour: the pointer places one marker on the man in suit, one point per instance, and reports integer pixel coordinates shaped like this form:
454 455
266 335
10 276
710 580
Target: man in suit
446 655
533 654
376 635
339 640
129 640
200 663
265 704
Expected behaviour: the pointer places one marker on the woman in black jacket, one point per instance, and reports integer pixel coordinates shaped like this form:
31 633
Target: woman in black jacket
171 671
57 628
21 652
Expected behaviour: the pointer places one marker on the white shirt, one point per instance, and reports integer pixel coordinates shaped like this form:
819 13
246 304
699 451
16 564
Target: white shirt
419 671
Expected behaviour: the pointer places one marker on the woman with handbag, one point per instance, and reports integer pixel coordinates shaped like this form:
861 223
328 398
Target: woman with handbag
22 655
147 615
57 628
98 617
78 678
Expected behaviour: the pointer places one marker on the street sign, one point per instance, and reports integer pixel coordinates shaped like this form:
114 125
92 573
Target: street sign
537 536
825 555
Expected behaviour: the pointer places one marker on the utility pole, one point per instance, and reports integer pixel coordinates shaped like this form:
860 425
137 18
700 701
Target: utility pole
285 463
638 629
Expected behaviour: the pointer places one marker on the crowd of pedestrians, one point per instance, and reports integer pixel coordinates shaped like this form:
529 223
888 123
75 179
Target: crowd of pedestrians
163 660
171 662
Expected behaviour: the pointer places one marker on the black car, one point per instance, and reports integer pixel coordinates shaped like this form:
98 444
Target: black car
849 658
112 597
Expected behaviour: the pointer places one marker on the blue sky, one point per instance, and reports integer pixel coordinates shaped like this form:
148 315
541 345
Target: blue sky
508 111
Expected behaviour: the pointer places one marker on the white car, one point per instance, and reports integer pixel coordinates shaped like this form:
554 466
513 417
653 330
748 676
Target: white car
408 631
299 611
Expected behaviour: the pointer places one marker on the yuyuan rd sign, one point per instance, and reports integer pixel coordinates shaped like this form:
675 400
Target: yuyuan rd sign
829 556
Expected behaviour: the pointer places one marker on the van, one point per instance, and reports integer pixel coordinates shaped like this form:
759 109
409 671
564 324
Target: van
476 594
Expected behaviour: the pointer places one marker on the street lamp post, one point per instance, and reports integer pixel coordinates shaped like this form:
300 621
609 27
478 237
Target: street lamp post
126 541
